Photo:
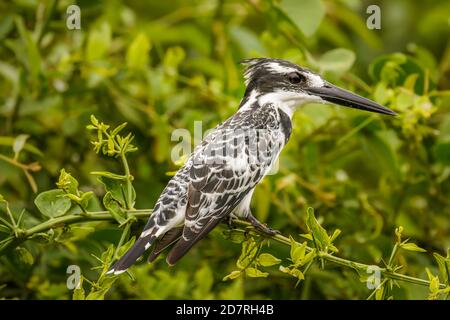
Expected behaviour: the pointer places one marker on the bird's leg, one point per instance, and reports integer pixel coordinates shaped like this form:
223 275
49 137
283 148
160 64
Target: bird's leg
230 221
261 226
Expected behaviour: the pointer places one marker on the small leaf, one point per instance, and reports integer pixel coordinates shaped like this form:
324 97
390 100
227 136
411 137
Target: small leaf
297 250
319 234
117 188
19 143
434 284
68 183
94 120
267 260
233 275
309 256
255 273
305 14
98 42
337 60
138 52
125 247
444 266
78 293
118 129
293 272
412 247
25 255
249 251
335 234
307 236
85 198
234 235
298 274
107 255
97 294
114 208
52 203
379 293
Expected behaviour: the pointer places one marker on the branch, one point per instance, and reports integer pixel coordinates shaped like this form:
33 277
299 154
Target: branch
145 213
344 262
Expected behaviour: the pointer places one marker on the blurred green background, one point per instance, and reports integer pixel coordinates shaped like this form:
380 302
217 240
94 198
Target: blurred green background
161 65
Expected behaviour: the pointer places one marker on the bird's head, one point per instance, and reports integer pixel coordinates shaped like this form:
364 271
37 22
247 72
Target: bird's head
289 85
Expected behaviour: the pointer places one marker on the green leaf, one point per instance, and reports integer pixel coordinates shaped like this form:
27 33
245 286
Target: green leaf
97 294
335 234
114 208
118 129
52 203
173 57
78 293
99 42
33 60
234 235
9 141
125 247
19 143
444 266
297 250
107 255
255 273
25 255
309 256
320 236
434 284
117 188
293 272
267 260
108 175
68 183
305 14
337 60
138 52
85 198
248 254
233 275
412 247
307 236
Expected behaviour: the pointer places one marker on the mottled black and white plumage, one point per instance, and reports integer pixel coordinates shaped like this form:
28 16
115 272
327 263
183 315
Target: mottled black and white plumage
219 177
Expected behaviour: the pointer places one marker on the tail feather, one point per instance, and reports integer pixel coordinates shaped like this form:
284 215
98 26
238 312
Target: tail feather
139 247
169 238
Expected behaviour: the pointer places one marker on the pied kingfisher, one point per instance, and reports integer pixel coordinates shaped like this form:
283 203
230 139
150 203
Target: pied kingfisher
218 179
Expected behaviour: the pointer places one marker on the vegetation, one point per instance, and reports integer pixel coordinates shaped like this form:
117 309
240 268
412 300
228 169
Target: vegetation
77 183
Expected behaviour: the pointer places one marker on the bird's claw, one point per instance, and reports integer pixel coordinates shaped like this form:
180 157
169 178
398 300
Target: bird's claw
270 231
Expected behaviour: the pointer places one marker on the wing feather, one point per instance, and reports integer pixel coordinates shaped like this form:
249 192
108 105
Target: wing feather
221 176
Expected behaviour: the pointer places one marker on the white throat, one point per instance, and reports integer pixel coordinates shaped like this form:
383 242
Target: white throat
287 101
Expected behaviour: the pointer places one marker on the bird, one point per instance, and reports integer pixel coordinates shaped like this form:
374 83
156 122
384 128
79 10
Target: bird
219 177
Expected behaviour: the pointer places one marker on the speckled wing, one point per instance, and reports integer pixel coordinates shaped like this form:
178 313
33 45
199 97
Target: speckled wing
225 168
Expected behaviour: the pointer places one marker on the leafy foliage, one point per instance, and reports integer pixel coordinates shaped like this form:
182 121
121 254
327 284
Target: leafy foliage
163 65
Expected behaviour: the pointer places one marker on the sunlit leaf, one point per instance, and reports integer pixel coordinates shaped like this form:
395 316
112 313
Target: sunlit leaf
52 203
305 14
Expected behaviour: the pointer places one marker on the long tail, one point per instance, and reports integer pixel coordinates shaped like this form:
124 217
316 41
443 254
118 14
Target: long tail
130 257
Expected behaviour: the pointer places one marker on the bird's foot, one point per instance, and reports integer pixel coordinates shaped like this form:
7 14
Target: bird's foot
229 222
261 226
267 230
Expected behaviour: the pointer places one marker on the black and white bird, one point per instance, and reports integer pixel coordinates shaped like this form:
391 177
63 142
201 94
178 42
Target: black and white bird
218 179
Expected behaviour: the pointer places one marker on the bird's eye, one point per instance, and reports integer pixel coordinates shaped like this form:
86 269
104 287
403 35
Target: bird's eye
296 78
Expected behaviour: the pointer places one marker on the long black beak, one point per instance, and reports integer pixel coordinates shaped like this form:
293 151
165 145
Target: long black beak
336 95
